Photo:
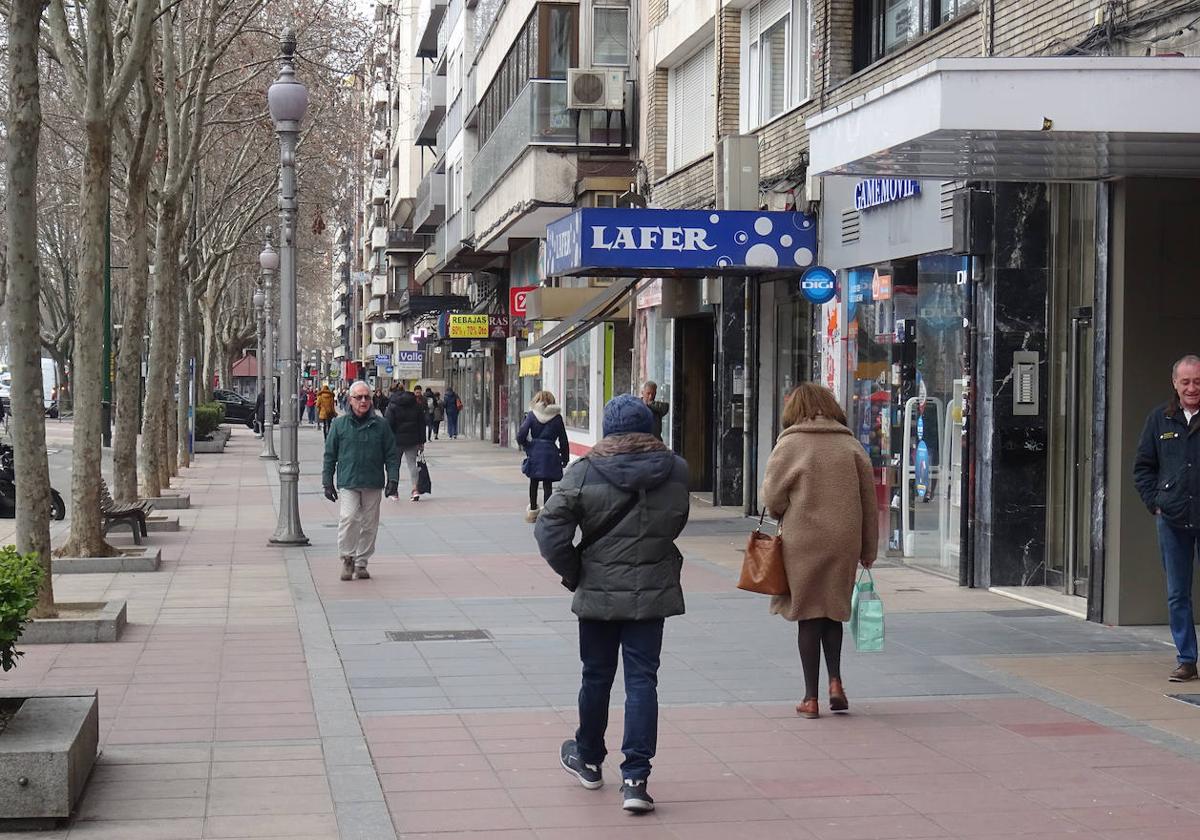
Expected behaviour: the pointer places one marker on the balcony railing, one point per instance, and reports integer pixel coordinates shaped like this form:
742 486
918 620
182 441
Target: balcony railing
379 191
379 95
403 239
430 207
431 107
453 10
379 237
540 117
429 17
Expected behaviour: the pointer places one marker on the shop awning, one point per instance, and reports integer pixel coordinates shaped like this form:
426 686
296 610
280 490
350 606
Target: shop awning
583 319
1019 119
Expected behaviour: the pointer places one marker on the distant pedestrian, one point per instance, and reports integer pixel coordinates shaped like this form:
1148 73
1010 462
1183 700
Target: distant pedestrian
1170 487
326 410
260 411
629 497
407 422
453 406
658 408
380 400
436 414
820 486
543 438
362 450
310 402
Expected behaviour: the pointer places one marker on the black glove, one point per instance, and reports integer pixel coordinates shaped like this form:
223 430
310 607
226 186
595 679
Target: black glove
392 489
330 493
569 584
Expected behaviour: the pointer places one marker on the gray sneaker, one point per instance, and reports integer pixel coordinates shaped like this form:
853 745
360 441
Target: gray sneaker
635 798
589 775
347 568
361 573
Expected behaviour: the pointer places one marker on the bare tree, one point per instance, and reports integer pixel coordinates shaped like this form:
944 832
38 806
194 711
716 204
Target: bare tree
23 293
101 62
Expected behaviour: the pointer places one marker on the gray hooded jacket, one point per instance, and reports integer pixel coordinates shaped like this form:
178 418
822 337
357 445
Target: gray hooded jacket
632 572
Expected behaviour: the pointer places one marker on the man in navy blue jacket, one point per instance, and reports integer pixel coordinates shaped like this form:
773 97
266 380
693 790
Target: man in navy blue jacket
1167 474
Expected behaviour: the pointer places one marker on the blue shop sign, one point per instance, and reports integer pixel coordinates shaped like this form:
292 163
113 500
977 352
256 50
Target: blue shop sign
818 284
632 242
405 358
873 192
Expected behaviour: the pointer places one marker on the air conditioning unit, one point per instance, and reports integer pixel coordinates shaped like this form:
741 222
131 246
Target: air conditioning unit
597 90
389 331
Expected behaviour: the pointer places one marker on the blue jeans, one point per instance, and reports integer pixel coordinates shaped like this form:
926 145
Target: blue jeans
1178 546
640 643
452 423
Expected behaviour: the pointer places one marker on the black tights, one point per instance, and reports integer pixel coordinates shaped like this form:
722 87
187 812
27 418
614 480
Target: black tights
547 489
812 635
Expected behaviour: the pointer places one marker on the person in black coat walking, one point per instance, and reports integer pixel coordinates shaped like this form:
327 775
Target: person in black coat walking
407 419
543 437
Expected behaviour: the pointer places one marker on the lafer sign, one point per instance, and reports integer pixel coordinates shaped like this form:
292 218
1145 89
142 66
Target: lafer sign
632 242
516 300
469 326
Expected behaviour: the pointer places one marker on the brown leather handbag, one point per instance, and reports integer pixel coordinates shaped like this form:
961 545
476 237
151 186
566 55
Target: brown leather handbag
762 567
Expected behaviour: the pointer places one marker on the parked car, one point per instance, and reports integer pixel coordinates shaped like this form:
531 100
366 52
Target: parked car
238 409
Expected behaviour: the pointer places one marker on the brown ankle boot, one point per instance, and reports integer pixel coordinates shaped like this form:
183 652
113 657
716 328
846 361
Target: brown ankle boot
808 708
837 697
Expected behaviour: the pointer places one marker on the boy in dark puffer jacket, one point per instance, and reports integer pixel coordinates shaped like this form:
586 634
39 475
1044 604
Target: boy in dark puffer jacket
629 497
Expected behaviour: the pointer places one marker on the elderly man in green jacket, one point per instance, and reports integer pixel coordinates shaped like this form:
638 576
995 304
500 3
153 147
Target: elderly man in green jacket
361 447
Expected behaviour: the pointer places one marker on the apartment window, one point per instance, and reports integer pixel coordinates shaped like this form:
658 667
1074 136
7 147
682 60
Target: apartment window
453 76
774 58
459 185
690 109
610 36
451 191
884 26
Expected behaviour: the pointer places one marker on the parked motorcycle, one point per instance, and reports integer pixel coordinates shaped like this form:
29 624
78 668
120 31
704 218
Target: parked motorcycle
8 489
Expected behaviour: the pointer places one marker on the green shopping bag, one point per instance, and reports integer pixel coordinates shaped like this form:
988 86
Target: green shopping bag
866 614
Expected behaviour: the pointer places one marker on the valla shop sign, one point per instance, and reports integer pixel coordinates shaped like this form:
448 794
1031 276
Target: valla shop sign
634 241
873 192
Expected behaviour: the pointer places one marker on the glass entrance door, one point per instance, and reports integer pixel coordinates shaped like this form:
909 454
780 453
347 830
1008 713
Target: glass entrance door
1068 552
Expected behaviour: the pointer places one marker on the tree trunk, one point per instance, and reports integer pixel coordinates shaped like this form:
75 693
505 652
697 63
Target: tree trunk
161 364
129 361
186 374
209 312
87 534
23 296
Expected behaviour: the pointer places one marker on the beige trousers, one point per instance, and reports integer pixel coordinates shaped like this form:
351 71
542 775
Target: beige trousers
358 523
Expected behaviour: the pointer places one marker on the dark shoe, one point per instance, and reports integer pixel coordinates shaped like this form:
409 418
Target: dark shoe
589 775
808 708
1186 672
635 798
837 697
361 573
416 497
347 568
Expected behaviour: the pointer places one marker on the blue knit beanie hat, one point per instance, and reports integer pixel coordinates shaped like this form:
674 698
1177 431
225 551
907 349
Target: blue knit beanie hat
625 414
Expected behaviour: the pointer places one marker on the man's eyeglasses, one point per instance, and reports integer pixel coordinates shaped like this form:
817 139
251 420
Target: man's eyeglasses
361 397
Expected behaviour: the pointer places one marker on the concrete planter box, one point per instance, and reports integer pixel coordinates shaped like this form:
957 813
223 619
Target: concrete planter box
80 622
46 754
161 523
210 447
134 559
178 501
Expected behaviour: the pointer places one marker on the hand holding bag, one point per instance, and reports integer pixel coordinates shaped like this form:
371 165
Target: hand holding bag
762 567
866 614
424 484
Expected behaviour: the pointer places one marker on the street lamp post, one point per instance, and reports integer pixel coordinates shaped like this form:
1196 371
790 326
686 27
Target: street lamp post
268 261
287 100
259 324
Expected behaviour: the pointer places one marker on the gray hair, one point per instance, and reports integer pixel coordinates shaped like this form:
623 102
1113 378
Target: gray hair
365 387
1189 359
650 383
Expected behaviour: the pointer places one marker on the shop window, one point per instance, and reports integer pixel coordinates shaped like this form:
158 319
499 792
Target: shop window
610 36
690 109
774 59
884 26
577 384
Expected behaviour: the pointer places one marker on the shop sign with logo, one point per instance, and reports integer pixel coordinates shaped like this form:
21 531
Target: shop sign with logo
818 284
409 362
633 240
382 361
516 300
497 326
469 326
875 192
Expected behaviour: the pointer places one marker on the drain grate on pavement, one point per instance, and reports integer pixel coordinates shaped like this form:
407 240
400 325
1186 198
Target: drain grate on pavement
437 635
1193 699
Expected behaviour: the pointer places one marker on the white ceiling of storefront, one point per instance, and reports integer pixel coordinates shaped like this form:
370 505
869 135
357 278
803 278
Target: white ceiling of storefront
1020 119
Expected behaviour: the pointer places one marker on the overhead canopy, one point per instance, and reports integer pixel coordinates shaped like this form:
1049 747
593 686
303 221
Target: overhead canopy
1019 119
583 319
637 242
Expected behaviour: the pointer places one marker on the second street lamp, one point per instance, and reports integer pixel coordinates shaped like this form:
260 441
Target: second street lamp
259 325
268 260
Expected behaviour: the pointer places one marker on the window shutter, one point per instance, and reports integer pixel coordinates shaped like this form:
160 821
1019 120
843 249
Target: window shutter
690 89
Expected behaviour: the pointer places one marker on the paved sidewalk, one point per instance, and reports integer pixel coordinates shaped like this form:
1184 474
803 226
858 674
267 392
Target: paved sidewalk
256 695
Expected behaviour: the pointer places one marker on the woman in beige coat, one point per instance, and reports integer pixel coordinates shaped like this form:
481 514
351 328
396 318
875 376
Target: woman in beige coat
820 487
